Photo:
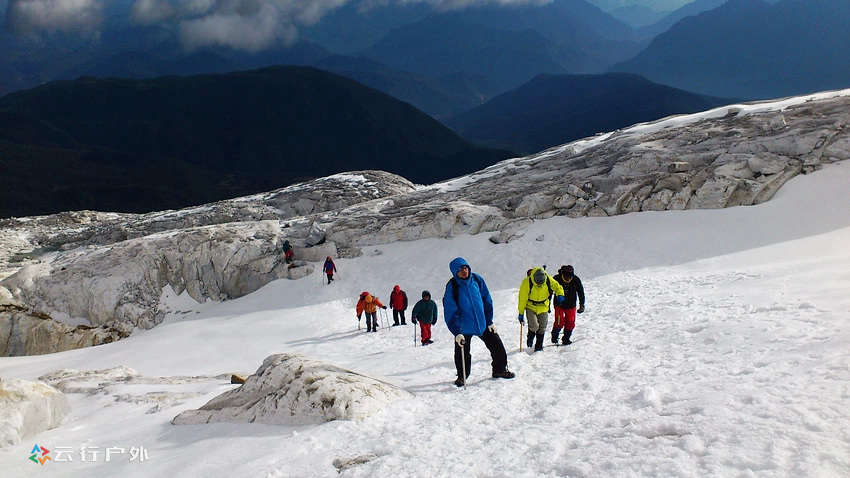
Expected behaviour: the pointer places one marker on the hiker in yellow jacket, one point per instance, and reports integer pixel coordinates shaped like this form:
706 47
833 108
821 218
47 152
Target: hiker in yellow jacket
535 294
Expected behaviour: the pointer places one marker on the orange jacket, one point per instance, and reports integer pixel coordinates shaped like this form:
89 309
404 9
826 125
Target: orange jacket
369 307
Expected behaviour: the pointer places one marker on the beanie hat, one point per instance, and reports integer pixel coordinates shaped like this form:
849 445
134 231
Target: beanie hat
368 298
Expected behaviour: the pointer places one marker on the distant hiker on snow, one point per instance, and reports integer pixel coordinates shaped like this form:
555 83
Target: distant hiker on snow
329 269
535 294
398 301
565 313
288 253
468 309
369 304
425 312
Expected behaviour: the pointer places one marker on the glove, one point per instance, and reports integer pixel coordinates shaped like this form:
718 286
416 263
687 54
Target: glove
384 307
492 328
358 317
521 319
560 300
580 308
413 319
460 339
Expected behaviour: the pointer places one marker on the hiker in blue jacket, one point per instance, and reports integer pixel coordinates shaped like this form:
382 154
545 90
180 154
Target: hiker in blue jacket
468 309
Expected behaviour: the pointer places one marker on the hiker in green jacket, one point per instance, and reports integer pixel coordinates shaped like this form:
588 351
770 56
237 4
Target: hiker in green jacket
425 312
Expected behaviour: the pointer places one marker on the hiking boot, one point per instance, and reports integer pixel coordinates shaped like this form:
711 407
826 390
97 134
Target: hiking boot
504 374
539 345
555 336
395 324
566 340
459 382
529 341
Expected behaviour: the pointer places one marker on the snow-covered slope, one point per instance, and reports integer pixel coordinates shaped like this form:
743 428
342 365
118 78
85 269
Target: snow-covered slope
714 344
736 155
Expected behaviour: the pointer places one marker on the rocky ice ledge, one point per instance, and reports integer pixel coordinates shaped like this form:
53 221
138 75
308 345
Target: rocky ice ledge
111 269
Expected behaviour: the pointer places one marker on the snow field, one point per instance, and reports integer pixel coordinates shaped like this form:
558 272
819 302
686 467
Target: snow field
715 343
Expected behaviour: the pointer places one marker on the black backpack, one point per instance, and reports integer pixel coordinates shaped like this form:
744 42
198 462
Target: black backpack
454 284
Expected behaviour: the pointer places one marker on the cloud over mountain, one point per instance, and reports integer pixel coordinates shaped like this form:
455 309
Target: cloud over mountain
250 25
257 24
27 16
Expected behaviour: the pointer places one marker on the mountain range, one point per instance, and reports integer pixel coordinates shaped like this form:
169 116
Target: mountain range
138 145
752 49
555 109
445 60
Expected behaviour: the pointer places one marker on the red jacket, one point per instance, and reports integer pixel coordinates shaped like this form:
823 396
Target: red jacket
398 299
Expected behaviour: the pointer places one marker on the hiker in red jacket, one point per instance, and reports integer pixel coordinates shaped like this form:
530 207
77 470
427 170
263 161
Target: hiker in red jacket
398 301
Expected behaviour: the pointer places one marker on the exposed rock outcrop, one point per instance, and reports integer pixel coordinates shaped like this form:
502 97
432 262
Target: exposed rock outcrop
28 408
291 389
22 333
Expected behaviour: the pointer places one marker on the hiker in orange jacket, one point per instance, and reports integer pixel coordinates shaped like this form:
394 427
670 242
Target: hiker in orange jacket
369 304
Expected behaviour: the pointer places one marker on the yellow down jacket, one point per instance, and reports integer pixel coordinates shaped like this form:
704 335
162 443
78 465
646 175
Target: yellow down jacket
536 297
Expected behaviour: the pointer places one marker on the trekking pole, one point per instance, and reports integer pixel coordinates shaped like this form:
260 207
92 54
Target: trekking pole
414 333
463 361
520 336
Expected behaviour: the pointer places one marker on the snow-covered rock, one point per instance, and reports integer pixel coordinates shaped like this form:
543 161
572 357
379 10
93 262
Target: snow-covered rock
120 285
28 408
292 389
126 385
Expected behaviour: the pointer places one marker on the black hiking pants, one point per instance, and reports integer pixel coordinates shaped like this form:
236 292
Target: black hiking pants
396 315
493 343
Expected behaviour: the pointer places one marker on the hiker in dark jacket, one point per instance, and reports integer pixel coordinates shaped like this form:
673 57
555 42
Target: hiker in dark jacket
565 313
288 253
329 267
468 311
425 312
398 301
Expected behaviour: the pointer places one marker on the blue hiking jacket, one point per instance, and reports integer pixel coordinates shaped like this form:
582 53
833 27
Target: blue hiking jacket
472 313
